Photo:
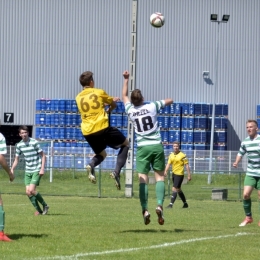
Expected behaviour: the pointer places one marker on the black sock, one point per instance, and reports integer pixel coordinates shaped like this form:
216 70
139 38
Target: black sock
96 160
182 196
121 159
173 197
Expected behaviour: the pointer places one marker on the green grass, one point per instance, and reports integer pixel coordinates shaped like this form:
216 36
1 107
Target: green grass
109 228
75 183
87 221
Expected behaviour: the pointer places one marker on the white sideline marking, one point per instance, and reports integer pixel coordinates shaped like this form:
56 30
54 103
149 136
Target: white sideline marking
141 248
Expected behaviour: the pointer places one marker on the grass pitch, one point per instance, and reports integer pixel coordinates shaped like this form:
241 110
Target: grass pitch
108 228
82 225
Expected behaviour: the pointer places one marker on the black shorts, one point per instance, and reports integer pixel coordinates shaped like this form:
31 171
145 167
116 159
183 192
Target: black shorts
177 180
110 136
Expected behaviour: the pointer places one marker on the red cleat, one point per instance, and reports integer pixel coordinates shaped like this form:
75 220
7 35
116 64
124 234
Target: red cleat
247 220
4 237
37 213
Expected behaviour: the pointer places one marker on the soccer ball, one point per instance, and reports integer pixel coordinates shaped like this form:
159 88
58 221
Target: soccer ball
157 20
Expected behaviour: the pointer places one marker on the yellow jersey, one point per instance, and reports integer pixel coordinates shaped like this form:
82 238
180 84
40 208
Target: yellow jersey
91 105
178 161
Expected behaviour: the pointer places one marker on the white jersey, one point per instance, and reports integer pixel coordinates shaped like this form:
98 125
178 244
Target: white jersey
31 151
145 122
252 149
3 149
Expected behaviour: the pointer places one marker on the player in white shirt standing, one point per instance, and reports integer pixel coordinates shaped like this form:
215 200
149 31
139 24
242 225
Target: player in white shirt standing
250 147
3 163
150 152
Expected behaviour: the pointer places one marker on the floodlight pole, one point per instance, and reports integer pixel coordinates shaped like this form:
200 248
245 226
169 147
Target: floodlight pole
130 157
214 101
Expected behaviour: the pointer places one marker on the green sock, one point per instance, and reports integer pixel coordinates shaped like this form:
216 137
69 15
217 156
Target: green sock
40 199
2 218
160 190
247 207
35 203
143 195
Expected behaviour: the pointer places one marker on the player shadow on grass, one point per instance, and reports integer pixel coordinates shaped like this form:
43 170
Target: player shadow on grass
54 214
19 236
152 231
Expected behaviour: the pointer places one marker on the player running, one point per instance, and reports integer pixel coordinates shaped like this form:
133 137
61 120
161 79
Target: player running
34 168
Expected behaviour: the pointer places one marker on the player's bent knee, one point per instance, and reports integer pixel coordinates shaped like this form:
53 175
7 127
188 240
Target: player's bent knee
246 196
103 154
159 178
30 193
125 143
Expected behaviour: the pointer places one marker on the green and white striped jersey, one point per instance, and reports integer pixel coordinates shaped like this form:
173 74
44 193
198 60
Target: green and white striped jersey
252 149
3 149
145 122
30 150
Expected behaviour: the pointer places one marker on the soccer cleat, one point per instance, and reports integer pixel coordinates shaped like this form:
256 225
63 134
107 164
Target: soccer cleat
116 177
45 210
247 220
169 206
185 205
37 213
159 212
146 215
4 237
91 174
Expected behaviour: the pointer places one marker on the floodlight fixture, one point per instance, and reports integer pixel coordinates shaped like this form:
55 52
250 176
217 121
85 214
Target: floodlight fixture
205 74
213 17
225 18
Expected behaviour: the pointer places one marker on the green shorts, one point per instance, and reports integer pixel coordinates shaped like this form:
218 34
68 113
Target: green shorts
32 178
150 156
252 181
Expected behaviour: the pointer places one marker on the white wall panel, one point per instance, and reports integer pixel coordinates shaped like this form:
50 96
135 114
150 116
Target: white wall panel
46 44
177 53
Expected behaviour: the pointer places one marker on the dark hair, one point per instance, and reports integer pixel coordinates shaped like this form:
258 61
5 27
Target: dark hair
137 97
85 78
23 127
252 121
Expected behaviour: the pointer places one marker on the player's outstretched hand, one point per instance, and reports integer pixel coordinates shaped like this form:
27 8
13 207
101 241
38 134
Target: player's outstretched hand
126 74
116 99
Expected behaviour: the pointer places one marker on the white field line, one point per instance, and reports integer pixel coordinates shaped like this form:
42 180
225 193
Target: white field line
77 256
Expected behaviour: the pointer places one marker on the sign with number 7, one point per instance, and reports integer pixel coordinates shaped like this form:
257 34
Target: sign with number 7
8 117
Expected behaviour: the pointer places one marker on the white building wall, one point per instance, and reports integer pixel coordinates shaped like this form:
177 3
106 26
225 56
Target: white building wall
46 44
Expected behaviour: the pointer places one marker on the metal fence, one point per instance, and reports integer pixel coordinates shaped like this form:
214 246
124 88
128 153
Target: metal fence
77 157
65 174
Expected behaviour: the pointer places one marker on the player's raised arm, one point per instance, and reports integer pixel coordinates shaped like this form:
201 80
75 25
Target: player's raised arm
112 106
125 87
168 101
